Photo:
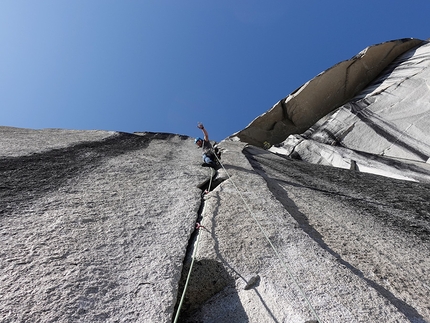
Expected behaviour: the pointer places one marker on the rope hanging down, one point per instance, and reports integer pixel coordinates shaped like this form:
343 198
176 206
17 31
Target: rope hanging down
272 246
193 257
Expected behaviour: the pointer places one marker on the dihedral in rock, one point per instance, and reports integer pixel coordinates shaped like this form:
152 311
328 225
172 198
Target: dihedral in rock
95 225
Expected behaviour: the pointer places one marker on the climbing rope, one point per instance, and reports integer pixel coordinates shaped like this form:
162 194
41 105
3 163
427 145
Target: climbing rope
193 256
272 246
199 226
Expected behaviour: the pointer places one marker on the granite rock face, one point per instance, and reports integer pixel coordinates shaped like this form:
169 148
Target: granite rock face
352 247
324 93
99 226
94 225
384 129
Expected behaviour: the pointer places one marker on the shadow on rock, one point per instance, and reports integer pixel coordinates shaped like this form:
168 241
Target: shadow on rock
208 280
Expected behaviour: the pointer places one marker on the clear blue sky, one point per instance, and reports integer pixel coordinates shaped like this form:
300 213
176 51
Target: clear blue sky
162 66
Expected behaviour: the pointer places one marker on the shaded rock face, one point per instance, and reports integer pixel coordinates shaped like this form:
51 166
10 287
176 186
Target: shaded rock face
100 226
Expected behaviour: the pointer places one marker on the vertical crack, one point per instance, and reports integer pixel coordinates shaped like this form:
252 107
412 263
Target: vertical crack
208 276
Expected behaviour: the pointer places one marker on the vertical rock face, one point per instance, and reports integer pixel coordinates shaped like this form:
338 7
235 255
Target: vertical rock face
94 224
100 226
350 247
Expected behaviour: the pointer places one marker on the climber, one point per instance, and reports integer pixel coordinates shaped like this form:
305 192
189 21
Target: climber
209 158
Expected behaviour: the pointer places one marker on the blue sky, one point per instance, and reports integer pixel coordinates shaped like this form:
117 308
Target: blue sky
162 66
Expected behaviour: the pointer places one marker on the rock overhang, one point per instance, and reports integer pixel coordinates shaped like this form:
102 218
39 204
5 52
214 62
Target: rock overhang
324 93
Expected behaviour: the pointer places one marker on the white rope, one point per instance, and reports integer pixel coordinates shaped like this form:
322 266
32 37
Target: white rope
271 244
